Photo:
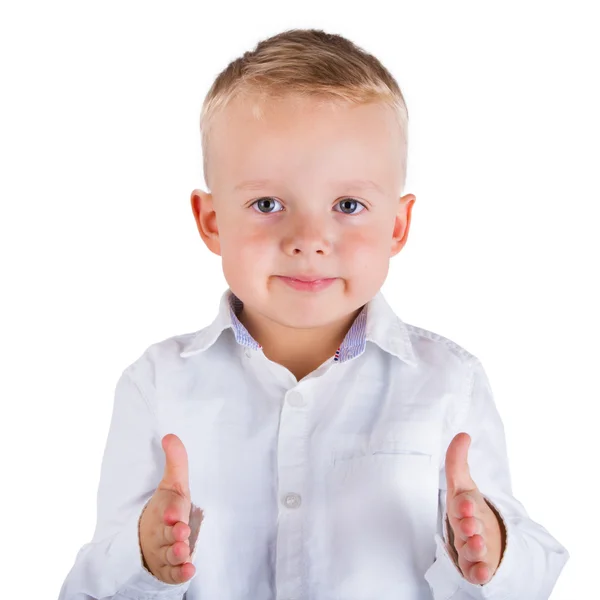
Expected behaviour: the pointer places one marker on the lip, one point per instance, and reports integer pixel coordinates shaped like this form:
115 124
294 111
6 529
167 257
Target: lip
306 278
312 284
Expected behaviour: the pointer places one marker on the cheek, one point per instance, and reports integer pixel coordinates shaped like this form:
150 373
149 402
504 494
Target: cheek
368 253
367 248
246 250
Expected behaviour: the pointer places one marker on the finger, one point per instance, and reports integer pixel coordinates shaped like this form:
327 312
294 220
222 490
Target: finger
462 506
458 475
178 509
474 549
177 573
177 553
181 573
469 527
179 532
478 573
176 475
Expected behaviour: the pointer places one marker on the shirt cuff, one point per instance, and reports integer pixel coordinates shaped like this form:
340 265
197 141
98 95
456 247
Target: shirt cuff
142 580
446 578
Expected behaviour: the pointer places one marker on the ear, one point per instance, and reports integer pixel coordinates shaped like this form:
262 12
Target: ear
402 223
206 219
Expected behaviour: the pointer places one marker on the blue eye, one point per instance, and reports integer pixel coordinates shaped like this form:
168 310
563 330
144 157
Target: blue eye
349 205
263 203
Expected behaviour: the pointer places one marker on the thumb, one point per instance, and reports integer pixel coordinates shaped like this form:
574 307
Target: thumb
458 474
176 475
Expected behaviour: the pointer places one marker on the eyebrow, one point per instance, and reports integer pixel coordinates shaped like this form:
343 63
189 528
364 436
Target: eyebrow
350 184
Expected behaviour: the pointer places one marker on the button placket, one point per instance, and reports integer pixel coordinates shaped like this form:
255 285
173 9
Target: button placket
292 450
292 500
295 399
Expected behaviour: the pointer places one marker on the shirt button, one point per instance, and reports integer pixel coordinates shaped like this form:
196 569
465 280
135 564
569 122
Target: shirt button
296 399
248 353
292 500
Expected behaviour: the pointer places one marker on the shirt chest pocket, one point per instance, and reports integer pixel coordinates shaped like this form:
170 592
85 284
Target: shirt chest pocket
381 512
382 489
403 442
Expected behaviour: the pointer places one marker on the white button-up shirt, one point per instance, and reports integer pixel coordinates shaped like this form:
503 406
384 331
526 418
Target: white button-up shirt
330 488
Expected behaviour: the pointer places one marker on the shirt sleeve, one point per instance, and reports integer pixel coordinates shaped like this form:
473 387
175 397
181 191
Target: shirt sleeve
532 559
111 565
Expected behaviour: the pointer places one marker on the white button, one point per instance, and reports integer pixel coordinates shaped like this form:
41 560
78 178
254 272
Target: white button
248 353
292 500
296 399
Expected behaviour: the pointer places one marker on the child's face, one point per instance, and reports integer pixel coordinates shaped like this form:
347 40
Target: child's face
306 223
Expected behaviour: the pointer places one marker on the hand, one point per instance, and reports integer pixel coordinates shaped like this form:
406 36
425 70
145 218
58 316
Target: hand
164 524
478 533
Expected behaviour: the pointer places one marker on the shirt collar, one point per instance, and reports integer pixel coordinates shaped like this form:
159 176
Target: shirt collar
376 323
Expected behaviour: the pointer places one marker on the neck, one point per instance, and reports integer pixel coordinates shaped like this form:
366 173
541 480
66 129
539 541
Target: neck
301 351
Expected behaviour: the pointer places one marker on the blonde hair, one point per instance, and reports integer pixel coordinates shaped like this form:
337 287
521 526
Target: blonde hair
304 63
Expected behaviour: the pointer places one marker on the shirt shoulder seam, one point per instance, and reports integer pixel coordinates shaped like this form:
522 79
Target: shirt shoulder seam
464 355
130 375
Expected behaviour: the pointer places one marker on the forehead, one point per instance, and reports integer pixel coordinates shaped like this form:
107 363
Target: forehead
301 137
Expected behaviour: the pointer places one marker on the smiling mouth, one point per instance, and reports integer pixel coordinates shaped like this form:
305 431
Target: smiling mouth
312 279
306 284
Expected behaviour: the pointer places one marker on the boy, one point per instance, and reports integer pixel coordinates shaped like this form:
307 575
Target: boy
335 451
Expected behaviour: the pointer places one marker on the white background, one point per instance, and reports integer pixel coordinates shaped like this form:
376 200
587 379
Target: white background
100 150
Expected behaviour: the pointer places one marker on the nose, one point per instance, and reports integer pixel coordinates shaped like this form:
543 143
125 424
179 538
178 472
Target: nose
307 236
